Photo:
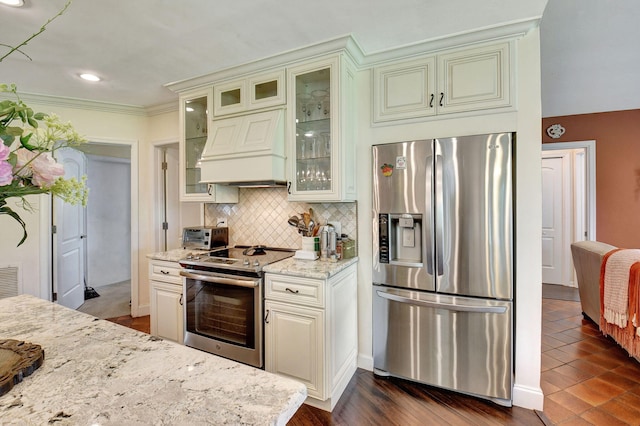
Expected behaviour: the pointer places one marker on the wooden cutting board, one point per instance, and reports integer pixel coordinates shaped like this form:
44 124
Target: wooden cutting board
17 361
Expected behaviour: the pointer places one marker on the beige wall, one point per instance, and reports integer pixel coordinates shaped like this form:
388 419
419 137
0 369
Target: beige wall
617 136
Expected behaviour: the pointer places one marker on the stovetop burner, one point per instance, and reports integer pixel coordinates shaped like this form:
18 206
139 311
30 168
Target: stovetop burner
247 259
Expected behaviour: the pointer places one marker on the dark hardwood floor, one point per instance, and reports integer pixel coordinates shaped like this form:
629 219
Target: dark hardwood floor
587 380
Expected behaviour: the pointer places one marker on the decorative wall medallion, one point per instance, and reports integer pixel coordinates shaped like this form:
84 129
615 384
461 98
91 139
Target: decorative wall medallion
555 131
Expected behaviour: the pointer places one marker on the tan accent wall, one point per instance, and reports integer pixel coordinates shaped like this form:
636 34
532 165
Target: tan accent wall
617 136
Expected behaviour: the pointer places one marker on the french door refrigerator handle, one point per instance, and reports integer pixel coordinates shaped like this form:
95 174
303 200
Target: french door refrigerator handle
439 213
428 228
449 307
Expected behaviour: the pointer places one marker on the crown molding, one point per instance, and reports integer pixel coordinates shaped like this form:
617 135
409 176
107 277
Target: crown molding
66 102
89 105
345 43
514 29
162 108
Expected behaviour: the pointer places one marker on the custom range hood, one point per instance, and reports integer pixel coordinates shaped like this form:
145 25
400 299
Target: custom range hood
246 151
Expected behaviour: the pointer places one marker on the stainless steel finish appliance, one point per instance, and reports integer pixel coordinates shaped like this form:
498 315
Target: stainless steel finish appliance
443 263
204 237
224 298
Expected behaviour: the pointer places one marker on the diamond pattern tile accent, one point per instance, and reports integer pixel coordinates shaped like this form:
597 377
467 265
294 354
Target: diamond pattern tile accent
261 214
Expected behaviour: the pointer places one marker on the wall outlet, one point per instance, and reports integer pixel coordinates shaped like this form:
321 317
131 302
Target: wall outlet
221 222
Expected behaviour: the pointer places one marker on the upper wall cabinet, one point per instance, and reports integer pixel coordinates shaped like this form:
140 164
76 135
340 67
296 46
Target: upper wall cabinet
320 123
253 92
458 81
194 122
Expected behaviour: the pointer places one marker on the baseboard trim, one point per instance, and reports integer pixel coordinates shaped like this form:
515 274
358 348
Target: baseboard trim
528 397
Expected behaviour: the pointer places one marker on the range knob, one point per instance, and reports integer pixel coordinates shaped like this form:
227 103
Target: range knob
245 262
256 263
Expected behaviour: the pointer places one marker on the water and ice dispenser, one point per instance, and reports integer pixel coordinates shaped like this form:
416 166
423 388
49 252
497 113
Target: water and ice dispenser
400 239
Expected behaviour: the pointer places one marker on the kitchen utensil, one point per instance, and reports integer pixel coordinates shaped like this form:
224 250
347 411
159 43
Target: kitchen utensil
294 221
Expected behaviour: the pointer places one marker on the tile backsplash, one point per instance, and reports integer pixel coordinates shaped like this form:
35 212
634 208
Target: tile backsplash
261 214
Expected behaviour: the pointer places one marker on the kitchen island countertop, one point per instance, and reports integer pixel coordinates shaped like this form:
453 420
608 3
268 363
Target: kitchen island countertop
98 372
309 268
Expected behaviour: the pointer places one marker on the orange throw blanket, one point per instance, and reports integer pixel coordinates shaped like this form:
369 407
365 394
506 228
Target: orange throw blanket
620 298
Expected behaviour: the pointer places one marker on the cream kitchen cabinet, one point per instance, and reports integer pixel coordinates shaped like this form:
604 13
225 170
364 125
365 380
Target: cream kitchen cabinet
166 302
194 122
257 91
320 122
457 81
311 332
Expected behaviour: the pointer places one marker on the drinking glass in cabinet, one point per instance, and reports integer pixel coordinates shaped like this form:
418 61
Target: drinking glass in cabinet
195 113
313 131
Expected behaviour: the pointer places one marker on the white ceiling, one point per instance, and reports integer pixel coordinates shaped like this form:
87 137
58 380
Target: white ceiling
138 46
590 56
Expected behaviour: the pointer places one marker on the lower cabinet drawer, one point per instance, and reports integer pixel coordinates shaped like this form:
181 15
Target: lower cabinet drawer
168 272
301 291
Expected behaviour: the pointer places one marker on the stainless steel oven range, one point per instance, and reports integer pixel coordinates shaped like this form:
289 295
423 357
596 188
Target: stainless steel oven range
224 300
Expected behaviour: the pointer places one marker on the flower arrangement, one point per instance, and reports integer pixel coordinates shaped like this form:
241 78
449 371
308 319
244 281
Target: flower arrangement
27 165
29 141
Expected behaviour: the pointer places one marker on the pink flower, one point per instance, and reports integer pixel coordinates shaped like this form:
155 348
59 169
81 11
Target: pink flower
6 174
43 170
4 152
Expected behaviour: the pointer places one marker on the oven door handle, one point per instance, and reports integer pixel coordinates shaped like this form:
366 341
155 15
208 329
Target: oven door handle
221 280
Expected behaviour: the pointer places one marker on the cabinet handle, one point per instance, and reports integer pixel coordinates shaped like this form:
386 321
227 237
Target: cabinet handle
289 187
431 101
181 299
266 317
209 187
441 98
291 291
164 272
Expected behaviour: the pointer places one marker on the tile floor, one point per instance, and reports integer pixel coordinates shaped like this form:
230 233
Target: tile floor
586 377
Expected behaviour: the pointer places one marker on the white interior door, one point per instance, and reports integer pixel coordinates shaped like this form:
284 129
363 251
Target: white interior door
552 220
70 224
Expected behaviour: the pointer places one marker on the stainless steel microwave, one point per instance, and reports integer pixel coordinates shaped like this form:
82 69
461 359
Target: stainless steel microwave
205 237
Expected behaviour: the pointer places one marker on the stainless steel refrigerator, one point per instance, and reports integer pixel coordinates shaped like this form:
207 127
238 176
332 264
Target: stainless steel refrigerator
443 263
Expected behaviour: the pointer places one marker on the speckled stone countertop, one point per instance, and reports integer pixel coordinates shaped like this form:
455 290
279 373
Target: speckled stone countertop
98 372
171 255
309 268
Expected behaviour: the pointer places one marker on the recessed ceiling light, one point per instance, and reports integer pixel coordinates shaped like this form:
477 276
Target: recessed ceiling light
13 3
89 77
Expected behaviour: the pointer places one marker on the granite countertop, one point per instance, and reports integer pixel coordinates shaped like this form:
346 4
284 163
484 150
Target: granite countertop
172 255
98 372
309 268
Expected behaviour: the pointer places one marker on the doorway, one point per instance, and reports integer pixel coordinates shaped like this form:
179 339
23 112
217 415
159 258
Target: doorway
107 240
568 206
170 214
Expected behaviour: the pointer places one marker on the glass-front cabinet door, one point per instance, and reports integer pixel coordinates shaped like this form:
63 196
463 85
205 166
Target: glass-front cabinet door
261 90
194 119
320 146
